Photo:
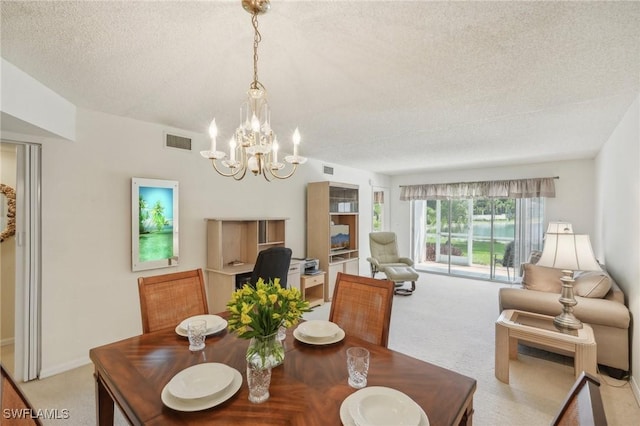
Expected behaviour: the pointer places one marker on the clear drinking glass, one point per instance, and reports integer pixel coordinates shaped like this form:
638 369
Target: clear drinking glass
358 366
259 380
196 331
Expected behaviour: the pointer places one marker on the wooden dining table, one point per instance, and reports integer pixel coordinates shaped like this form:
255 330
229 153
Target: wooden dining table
308 388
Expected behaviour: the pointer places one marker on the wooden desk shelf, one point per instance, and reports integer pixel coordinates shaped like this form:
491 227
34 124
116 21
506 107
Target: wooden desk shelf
240 240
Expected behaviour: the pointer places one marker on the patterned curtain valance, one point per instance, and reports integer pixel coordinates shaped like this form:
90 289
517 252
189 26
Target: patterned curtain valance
515 188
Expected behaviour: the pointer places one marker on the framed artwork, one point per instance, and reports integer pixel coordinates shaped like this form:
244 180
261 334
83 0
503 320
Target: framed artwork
154 223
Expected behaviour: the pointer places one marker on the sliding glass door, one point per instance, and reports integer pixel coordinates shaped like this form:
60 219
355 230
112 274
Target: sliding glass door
468 237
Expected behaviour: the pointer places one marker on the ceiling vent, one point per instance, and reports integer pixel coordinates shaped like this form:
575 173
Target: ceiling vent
178 142
328 170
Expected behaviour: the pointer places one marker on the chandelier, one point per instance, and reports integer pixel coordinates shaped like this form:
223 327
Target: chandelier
254 145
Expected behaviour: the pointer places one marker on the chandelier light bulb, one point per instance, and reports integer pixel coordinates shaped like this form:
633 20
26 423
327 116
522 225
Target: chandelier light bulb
213 133
255 123
232 149
296 141
275 148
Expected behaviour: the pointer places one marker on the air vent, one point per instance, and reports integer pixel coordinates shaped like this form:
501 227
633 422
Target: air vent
328 170
179 142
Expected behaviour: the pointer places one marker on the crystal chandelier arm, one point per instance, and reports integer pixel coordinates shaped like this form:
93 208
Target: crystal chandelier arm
293 170
232 174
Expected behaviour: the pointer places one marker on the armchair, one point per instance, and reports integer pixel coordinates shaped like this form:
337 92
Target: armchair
384 258
384 252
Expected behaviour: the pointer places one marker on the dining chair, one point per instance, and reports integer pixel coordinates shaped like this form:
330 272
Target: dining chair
166 300
361 306
13 400
583 405
272 263
507 259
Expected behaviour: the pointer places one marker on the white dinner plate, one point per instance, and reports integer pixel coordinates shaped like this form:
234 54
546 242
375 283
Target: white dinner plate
319 341
215 324
198 404
318 328
382 406
345 408
200 380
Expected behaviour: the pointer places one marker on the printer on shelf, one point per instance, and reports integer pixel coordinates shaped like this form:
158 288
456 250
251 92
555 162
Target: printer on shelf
311 266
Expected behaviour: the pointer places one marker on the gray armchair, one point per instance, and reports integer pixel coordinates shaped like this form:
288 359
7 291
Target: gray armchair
384 252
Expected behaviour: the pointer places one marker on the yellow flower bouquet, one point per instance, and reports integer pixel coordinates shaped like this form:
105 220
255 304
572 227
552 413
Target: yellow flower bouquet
257 313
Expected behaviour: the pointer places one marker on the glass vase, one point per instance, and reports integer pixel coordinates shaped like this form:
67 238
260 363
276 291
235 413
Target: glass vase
265 351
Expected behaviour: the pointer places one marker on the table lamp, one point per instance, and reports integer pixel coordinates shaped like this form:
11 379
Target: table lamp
569 252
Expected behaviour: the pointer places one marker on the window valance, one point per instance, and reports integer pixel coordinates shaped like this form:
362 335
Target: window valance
515 188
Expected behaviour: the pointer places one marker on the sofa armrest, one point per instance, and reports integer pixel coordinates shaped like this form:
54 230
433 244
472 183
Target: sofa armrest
589 310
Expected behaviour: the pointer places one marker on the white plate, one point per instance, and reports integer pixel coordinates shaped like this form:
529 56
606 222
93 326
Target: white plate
321 341
215 324
200 380
318 328
202 403
381 406
347 419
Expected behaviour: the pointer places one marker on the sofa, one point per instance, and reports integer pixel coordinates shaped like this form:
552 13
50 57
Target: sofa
601 304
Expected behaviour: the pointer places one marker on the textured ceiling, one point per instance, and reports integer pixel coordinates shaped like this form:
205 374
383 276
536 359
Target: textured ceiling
387 86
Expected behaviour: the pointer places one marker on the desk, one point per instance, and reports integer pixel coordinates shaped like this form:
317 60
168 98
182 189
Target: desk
307 389
221 283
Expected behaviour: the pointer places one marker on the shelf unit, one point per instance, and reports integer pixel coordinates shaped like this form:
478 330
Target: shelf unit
232 248
332 203
312 288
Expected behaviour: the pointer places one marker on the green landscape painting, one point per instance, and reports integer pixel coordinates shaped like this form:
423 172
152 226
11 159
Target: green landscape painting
155 223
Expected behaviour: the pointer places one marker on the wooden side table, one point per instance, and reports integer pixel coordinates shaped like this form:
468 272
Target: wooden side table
312 288
513 325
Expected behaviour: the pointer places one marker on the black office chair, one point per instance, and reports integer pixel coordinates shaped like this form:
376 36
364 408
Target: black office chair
272 263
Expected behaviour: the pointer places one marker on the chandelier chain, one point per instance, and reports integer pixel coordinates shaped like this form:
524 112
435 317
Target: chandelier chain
257 37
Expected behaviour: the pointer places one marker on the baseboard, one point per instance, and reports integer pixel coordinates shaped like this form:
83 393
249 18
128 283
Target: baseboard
61 368
5 342
635 389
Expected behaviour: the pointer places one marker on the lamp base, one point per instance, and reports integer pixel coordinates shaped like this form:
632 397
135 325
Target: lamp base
566 320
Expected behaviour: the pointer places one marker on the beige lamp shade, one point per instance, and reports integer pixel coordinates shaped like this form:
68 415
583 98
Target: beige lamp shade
568 251
559 228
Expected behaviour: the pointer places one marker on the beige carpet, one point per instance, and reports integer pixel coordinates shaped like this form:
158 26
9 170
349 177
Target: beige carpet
447 321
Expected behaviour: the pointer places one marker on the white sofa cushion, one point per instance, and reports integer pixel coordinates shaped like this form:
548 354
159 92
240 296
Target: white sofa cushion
595 284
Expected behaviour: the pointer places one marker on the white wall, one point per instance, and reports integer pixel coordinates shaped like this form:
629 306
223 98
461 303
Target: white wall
575 193
618 218
90 295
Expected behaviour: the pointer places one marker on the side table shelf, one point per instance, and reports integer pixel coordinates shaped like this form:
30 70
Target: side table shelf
312 288
513 326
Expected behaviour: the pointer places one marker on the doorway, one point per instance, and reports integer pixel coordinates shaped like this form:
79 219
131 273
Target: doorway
380 209
20 257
